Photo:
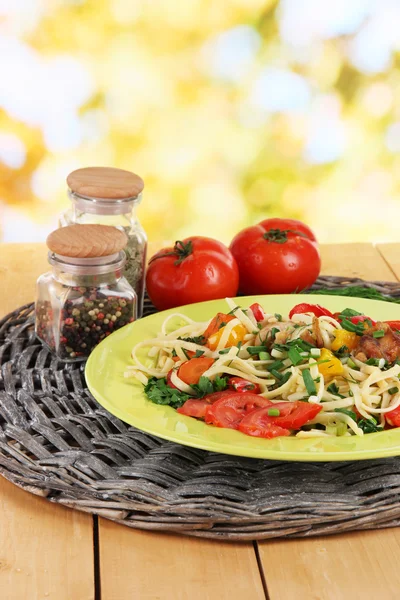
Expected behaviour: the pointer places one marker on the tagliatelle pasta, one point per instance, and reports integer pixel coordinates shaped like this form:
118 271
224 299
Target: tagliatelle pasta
293 367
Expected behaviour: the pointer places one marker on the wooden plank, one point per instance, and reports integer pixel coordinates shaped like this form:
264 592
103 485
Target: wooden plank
151 566
46 551
356 565
350 565
354 260
391 254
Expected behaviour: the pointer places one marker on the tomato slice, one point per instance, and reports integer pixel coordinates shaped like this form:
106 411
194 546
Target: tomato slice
315 309
191 371
243 386
259 427
293 415
393 417
229 411
194 408
258 311
395 325
220 320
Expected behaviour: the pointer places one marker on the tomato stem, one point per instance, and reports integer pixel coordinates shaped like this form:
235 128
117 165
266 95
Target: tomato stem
279 236
181 250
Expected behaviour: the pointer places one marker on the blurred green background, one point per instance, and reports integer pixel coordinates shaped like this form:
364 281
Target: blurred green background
231 111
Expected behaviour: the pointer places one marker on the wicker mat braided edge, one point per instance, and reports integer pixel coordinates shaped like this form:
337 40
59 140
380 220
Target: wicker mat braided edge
57 442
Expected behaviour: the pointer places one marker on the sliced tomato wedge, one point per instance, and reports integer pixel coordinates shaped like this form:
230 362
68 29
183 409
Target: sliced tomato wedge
220 320
191 371
194 408
229 411
293 415
243 385
258 311
315 309
395 325
393 417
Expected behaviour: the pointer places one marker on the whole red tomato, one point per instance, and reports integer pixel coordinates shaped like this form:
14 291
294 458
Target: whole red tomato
194 270
277 256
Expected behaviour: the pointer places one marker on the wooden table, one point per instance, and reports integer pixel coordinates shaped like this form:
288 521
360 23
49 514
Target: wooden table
48 551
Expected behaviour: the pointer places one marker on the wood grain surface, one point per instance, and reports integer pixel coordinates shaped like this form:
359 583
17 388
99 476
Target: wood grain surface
105 182
46 551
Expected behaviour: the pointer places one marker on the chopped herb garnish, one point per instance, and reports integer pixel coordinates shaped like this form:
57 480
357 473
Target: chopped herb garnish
369 425
353 327
309 382
198 353
277 364
278 316
255 349
232 312
200 340
221 325
393 390
276 373
285 377
274 331
159 392
333 389
274 412
206 386
349 312
352 364
224 351
264 356
373 362
295 356
347 412
259 326
379 333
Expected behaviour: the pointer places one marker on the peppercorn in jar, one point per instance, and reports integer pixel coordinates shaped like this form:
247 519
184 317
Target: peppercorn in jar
85 297
109 196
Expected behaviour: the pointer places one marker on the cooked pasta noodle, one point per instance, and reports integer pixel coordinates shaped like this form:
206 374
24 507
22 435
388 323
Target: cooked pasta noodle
287 367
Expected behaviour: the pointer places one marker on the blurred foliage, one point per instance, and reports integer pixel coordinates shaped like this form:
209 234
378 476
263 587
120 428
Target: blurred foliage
230 111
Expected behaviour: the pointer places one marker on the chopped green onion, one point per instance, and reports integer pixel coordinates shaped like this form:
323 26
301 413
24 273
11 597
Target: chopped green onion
276 374
351 364
315 352
378 334
274 331
274 412
264 356
278 316
393 390
341 428
278 364
309 382
276 353
285 377
295 356
255 349
224 351
372 362
331 430
347 412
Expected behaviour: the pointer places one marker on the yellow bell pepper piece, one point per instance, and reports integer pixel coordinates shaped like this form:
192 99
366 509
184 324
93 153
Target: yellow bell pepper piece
344 338
236 335
333 366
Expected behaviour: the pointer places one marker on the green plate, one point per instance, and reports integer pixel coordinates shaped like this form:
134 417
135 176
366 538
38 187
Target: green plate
125 399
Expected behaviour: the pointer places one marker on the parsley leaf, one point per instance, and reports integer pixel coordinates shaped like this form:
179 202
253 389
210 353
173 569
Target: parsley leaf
200 340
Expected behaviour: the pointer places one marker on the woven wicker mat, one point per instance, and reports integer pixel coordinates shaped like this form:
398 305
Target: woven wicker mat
57 442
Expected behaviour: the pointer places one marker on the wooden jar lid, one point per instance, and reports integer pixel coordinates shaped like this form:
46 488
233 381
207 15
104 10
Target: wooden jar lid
105 183
86 241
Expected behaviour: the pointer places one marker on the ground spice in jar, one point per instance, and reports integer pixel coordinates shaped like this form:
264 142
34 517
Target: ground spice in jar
85 298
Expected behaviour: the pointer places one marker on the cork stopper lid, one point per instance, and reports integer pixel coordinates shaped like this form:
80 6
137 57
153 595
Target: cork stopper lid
105 182
86 241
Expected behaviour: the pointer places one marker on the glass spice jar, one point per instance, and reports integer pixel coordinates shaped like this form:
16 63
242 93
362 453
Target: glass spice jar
85 297
110 196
